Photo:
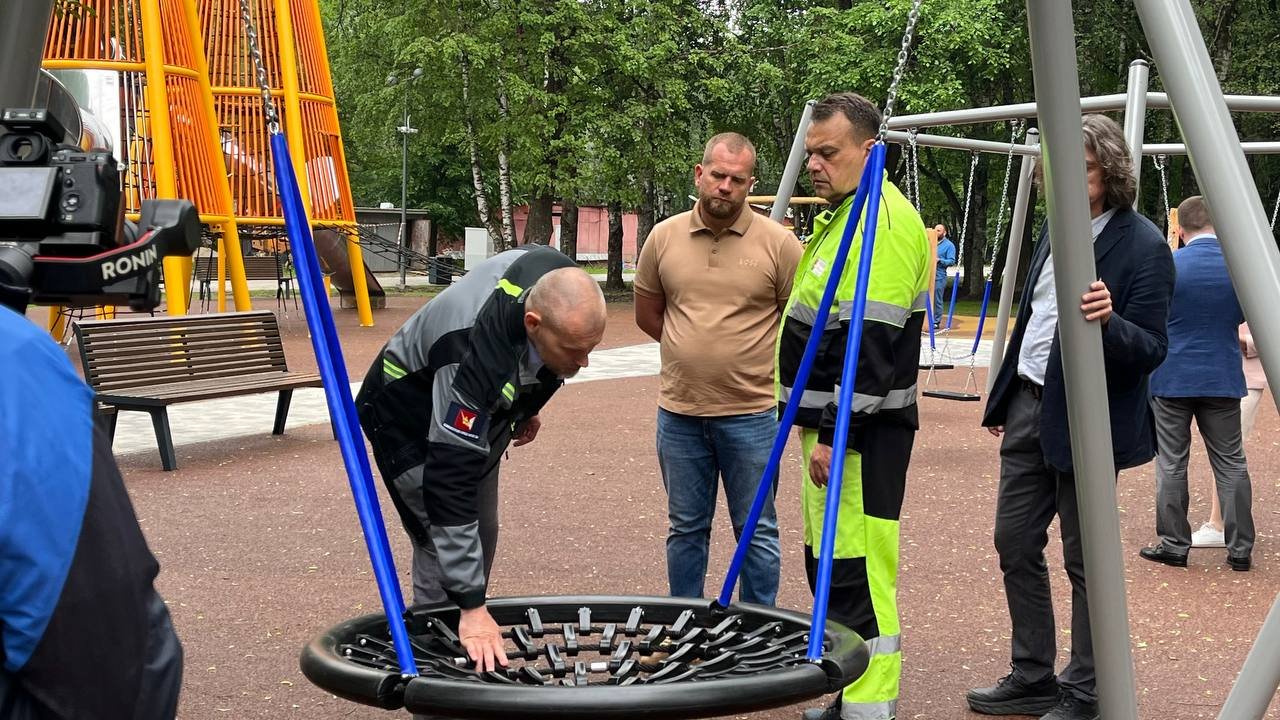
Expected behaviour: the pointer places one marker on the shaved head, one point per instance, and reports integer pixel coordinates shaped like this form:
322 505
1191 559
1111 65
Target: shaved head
564 317
568 299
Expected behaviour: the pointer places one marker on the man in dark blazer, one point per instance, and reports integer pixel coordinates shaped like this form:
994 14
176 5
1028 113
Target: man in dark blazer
1028 406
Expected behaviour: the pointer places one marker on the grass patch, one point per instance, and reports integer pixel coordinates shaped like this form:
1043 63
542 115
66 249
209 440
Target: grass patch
971 308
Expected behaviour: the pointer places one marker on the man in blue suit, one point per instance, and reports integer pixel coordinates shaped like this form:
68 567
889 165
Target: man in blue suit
1203 379
1028 406
946 259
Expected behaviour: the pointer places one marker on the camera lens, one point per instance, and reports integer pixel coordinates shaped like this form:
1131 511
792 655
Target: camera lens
16 265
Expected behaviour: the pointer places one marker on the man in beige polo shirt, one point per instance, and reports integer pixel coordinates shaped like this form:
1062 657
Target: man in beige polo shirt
710 287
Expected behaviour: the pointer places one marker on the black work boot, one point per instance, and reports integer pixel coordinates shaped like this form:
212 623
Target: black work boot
1071 707
1011 696
830 712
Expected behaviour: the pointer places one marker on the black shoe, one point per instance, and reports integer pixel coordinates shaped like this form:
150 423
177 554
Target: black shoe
1158 553
830 712
1240 564
1071 707
1011 696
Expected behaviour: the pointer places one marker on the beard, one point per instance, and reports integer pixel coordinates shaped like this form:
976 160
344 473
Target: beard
719 207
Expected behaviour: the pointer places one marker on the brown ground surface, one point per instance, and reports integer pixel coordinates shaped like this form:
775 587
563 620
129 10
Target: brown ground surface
261 550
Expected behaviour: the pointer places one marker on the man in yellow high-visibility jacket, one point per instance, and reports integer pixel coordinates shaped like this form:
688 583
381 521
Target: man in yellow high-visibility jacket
884 421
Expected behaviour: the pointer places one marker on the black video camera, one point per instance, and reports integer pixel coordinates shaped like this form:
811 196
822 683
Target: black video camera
63 237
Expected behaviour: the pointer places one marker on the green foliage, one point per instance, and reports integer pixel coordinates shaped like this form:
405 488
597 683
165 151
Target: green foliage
611 100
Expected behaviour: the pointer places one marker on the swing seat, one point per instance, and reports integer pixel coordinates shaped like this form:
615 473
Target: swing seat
937 366
952 395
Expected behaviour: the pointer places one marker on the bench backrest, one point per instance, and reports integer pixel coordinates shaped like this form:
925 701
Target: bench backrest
267 267
137 352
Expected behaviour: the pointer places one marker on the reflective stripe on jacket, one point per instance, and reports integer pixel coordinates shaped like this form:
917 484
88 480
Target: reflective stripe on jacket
901 268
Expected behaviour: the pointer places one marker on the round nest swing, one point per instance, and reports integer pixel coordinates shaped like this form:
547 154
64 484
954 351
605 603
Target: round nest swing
591 657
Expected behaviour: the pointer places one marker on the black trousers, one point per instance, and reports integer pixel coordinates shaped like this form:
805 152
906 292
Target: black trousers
1030 495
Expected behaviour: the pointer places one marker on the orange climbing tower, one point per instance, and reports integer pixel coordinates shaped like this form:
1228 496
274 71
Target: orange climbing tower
291 39
174 83
139 66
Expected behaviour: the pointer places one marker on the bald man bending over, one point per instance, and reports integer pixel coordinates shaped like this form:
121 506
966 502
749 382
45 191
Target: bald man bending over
453 387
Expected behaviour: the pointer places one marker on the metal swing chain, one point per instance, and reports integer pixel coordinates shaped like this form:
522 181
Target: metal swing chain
255 52
913 169
1274 212
912 18
1160 160
1004 194
968 197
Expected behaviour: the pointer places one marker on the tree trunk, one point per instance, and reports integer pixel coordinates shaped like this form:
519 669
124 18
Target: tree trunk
504 171
477 175
929 166
569 229
538 229
644 224
613 281
1220 45
433 239
976 240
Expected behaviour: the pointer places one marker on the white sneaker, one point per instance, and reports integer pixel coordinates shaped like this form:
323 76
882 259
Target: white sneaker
1208 536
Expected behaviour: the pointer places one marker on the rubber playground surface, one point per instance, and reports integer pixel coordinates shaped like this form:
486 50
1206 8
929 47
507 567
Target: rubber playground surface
260 548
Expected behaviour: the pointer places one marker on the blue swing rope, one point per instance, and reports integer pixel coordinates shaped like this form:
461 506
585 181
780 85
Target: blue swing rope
928 311
800 382
333 370
867 196
955 291
337 392
871 176
995 246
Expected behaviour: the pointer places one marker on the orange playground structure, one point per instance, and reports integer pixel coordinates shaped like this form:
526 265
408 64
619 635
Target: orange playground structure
172 83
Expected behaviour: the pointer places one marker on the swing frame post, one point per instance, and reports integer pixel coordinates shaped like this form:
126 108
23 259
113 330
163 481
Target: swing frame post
1135 116
1057 84
1013 255
795 161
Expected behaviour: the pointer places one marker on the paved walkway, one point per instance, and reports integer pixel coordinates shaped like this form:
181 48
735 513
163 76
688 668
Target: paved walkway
253 414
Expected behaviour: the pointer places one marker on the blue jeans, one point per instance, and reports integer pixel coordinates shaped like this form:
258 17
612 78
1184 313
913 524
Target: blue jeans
939 294
692 453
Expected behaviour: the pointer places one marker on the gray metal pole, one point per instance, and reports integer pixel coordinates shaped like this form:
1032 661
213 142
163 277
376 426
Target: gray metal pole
1235 103
1057 84
1135 116
961 143
1248 148
1260 676
1013 255
1100 103
24 25
795 161
1239 217
404 192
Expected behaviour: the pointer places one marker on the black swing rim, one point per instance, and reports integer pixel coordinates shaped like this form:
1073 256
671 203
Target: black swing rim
845 660
952 395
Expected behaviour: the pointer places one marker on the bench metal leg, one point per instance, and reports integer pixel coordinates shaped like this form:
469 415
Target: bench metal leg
107 421
282 411
160 421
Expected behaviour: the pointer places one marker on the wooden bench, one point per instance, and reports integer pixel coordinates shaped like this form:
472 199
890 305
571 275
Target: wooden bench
146 364
256 267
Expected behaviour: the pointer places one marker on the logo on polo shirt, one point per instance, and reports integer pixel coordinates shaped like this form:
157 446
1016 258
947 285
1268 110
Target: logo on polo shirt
465 422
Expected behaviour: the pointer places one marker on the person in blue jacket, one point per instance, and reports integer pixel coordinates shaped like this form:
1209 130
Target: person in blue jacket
83 632
946 258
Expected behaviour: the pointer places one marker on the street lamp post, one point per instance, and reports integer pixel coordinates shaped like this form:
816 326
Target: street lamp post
405 131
